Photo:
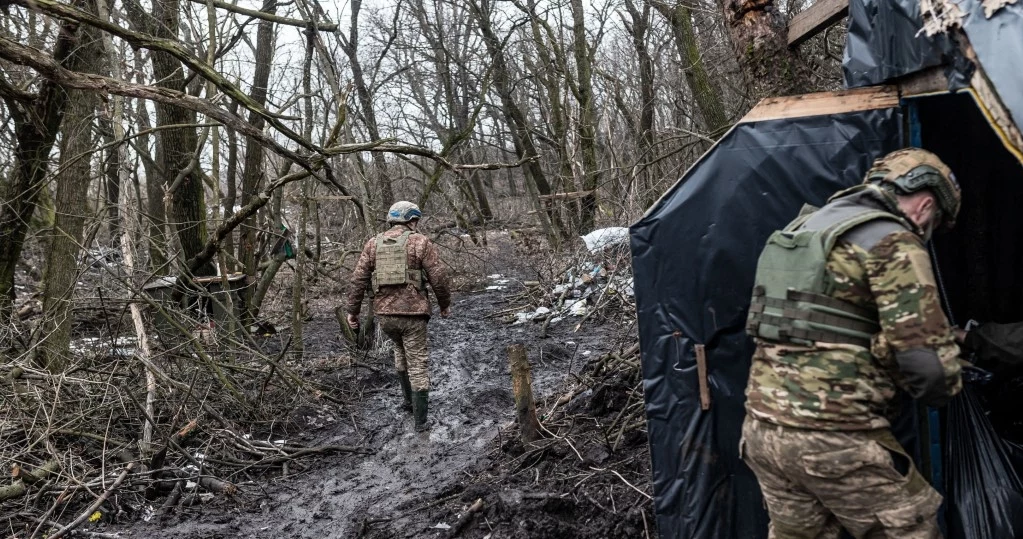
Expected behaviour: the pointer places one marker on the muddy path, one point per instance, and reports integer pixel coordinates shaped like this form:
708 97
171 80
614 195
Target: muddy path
470 399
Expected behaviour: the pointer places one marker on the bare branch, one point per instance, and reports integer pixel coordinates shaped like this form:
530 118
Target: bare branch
326 27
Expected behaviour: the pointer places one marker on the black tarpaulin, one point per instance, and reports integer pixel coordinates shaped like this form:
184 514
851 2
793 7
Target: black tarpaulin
884 42
694 257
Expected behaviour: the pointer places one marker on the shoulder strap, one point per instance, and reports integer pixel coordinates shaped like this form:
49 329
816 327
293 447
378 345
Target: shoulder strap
835 231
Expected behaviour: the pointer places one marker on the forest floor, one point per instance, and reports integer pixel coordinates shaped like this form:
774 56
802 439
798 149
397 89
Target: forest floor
469 476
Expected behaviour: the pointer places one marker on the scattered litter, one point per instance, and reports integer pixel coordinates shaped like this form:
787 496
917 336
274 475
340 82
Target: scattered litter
578 309
587 352
601 239
496 287
598 284
495 276
441 526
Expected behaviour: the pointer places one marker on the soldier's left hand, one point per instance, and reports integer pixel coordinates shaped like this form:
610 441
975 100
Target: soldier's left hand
353 321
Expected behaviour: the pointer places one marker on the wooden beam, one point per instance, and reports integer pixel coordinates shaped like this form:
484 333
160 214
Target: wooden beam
816 18
859 99
927 82
566 195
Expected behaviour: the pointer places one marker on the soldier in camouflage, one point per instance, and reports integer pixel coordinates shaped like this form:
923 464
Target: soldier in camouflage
397 265
845 312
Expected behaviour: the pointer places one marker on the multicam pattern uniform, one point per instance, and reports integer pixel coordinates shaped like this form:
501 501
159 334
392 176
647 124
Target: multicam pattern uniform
817 482
408 333
816 433
400 300
403 311
847 387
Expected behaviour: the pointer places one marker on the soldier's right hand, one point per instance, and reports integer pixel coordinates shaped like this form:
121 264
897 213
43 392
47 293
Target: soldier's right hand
444 313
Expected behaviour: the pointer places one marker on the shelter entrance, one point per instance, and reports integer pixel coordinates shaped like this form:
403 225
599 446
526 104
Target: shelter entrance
981 259
980 270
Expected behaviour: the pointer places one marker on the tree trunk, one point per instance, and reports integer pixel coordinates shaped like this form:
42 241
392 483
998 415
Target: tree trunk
759 39
61 272
362 90
252 176
521 135
111 181
645 127
181 178
35 132
156 235
552 76
587 130
705 91
231 181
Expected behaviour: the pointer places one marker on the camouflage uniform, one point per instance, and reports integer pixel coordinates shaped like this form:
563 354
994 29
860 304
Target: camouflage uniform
817 429
403 310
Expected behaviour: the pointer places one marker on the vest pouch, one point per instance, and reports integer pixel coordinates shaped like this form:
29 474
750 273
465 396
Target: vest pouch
789 261
415 277
391 262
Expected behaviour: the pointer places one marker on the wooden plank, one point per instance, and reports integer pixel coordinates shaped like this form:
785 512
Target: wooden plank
701 373
332 197
567 195
927 82
816 18
859 99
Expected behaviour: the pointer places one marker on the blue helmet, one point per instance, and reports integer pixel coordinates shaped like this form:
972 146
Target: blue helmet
403 212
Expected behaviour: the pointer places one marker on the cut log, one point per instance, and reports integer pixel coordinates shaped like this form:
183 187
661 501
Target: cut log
522 386
22 476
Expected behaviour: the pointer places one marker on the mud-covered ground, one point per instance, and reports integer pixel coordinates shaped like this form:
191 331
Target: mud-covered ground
574 483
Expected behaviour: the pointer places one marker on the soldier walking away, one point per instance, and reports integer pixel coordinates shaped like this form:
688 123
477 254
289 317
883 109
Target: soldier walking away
845 311
397 265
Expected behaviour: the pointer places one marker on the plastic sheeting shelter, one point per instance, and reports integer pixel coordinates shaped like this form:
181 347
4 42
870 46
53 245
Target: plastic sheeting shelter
695 251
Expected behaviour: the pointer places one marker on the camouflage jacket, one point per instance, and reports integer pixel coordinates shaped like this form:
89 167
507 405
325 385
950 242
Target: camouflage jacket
400 300
880 266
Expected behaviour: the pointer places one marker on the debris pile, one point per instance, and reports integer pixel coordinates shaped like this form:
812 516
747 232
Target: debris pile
595 282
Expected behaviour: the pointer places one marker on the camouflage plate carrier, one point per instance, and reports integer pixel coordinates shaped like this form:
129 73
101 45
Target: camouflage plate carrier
791 303
392 264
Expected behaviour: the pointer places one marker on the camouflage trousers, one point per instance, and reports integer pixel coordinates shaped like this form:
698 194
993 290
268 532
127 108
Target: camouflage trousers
817 482
410 351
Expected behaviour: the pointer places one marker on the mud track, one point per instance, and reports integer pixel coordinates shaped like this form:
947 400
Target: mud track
345 495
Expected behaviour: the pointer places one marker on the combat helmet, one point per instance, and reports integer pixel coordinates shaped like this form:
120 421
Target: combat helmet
403 211
909 170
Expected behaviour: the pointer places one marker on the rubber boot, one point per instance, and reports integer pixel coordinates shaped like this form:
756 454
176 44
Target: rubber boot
406 390
420 400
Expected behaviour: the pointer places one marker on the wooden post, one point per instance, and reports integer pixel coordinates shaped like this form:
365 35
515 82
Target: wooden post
522 386
701 373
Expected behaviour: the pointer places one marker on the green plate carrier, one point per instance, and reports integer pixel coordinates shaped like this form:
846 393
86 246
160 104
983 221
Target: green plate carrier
791 302
392 263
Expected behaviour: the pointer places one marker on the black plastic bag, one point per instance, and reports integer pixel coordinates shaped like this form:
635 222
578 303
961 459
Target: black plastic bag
984 493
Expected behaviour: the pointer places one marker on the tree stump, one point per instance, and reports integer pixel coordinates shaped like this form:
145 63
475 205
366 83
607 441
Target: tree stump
522 386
